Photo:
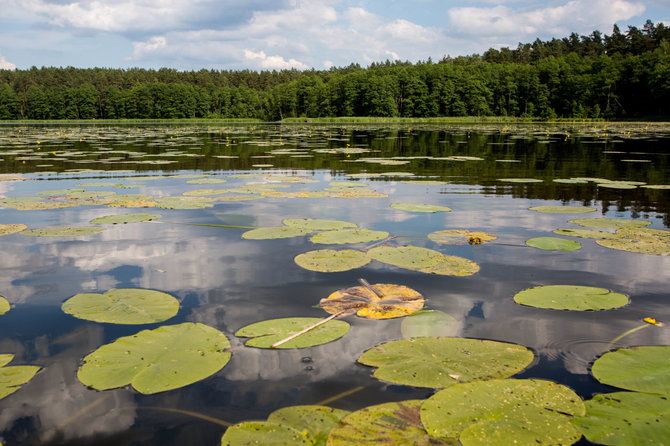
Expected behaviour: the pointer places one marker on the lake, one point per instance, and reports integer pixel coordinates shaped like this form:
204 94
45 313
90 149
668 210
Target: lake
192 248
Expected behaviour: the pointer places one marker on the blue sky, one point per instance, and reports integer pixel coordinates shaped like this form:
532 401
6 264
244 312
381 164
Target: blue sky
277 34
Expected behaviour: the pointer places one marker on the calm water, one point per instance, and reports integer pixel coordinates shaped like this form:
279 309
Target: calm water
227 282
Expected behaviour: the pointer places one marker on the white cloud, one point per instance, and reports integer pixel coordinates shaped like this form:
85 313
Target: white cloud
140 49
5 64
261 60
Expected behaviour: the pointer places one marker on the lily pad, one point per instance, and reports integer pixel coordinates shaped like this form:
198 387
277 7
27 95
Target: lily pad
384 424
626 418
617 185
553 244
329 260
460 237
562 209
157 360
570 297
643 369
12 228
183 203
316 224
274 232
263 433
504 411
585 233
123 306
124 218
609 222
341 236
207 181
443 362
640 240
13 377
410 257
416 207
428 323
520 180
63 231
452 266
315 422
4 305
378 301
266 333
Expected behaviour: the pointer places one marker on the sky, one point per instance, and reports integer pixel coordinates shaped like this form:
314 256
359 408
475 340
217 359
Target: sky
284 34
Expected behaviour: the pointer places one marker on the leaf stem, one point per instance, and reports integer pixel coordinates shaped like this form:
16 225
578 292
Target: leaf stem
311 327
369 287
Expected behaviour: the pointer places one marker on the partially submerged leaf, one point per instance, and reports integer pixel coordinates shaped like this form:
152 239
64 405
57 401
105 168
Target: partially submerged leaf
12 228
378 301
124 218
443 362
317 224
504 411
395 423
417 207
263 433
274 232
553 244
63 231
562 209
643 369
123 306
428 323
315 422
13 377
329 260
4 305
266 333
571 297
626 418
609 222
152 361
341 236
460 236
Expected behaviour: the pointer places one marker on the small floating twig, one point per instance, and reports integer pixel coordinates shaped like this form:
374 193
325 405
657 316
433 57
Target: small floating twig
311 327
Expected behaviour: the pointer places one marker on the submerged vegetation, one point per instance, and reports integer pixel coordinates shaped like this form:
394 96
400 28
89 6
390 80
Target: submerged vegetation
618 76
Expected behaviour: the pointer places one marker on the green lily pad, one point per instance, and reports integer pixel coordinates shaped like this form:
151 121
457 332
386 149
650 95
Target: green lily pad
643 369
640 240
237 198
520 180
204 192
316 224
123 306
341 236
609 222
329 260
83 195
183 203
452 266
63 231
460 237
417 207
157 360
562 209
274 232
263 433
428 323
617 185
207 181
570 297
384 424
13 377
553 244
266 333
4 305
504 411
443 362
585 233
315 422
657 186
12 228
569 181
626 418
57 192
124 218
410 257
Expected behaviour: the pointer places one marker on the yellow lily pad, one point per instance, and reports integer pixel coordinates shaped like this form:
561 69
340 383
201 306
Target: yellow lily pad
378 301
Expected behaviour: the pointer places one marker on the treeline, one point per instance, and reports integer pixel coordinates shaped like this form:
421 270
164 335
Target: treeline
624 75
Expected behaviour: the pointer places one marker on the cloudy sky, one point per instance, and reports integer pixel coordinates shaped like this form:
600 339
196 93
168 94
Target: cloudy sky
277 34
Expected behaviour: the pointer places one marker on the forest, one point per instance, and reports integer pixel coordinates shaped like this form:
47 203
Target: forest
624 75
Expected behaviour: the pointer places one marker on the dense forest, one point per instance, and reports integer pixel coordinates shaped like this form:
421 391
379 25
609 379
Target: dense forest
624 75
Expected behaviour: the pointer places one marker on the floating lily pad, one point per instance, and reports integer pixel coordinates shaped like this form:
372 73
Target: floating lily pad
266 333
13 377
347 184
183 203
570 297
316 224
274 232
643 369
504 411
452 266
553 244
626 418
417 207
562 209
263 433
57 192
520 180
341 236
237 198
207 181
63 231
428 323
315 422
378 301
569 181
157 360
12 228
443 362
123 306
124 218
585 233
657 186
204 192
617 185
329 260
4 305
609 222
410 257
460 237
640 240
83 195
384 424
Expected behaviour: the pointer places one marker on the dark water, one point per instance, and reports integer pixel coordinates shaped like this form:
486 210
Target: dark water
227 282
